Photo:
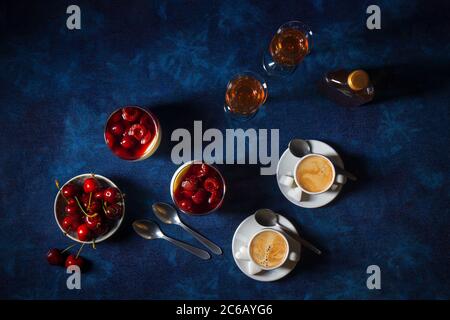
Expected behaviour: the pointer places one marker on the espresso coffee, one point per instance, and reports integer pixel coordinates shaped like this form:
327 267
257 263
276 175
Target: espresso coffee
314 174
268 249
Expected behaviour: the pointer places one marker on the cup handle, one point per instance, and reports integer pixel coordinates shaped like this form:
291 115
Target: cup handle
242 254
253 268
293 256
340 178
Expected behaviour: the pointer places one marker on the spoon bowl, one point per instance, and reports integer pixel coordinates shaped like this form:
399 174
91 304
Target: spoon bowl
166 213
147 229
266 218
299 147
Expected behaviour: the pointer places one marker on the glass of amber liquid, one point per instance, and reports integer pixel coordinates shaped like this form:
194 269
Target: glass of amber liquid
246 93
289 46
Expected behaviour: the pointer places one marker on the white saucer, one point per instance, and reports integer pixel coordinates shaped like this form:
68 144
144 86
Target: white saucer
242 235
287 163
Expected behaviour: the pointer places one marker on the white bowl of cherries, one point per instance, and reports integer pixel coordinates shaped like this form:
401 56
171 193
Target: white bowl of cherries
89 208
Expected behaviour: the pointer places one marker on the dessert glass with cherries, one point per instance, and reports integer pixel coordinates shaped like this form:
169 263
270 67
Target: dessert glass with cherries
197 188
132 133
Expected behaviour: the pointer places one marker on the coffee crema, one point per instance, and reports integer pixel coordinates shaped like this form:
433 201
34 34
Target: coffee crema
314 174
268 249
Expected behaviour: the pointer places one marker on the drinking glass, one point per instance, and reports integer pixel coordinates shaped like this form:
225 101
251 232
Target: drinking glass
246 93
287 49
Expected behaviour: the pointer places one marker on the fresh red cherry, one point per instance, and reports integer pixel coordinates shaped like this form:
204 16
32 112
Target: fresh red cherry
72 202
92 222
95 207
131 113
127 142
114 211
117 129
200 196
90 185
66 223
74 261
83 232
101 229
76 222
186 205
69 190
98 195
55 257
211 184
110 140
111 195
72 210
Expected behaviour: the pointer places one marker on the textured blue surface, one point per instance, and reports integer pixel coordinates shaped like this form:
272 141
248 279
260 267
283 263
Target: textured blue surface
59 86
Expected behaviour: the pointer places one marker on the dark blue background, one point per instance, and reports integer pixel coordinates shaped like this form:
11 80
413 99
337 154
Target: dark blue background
59 86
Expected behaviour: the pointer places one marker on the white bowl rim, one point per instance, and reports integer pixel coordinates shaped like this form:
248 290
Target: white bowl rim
102 237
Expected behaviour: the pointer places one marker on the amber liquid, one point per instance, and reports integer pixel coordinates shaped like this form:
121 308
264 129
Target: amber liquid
245 95
289 46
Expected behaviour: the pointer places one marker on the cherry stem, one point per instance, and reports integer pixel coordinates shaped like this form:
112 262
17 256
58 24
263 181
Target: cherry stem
57 186
89 203
79 250
93 244
69 247
82 210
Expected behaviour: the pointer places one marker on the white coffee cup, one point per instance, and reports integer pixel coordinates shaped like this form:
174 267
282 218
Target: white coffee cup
336 178
253 266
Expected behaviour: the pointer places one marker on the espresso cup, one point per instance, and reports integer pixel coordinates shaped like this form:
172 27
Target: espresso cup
316 174
267 249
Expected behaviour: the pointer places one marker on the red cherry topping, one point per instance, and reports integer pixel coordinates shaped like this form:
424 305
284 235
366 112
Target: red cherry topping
55 257
123 153
117 129
71 202
90 185
73 260
186 205
200 170
83 232
131 113
190 184
110 140
211 184
214 198
127 142
137 131
200 196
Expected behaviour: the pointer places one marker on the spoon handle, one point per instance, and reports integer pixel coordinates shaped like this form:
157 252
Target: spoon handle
304 242
207 243
344 172
202 254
